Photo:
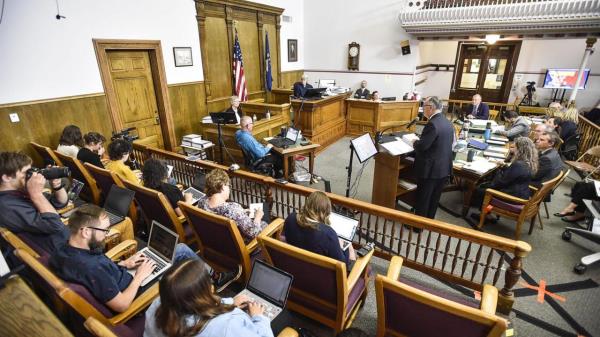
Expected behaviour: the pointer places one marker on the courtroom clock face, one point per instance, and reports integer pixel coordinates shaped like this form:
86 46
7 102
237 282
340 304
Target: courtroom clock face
353 51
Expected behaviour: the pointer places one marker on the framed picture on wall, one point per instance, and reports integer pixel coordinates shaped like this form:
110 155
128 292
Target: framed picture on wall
183 56
292 50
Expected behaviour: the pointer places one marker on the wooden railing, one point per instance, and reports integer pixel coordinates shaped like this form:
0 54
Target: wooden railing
447 252
590 134
500 107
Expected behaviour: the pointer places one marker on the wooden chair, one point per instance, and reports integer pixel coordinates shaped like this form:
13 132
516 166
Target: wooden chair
80 301
321 289
104 181
47 154
78 171
155 206
403 310
493 115
221 243
516 208
560 181
583 168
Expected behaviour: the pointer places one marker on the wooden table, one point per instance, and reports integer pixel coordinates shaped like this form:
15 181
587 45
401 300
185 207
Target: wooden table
24 314
288 154
370 116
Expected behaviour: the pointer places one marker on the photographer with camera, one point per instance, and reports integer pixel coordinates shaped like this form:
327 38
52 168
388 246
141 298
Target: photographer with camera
24 206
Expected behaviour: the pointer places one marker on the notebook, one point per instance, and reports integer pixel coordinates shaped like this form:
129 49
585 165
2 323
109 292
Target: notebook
269 286
344 227
117 203
160 249
477 144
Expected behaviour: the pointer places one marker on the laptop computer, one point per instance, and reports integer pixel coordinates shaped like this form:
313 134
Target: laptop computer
74 191
268 286
291 136
117 203
196 195
344 227
160 249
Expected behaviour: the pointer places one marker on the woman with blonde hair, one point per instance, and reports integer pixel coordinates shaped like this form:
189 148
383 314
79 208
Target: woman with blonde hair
513 179
310 230
188 307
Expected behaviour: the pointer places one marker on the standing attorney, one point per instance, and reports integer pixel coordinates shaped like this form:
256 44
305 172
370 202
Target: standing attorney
433 158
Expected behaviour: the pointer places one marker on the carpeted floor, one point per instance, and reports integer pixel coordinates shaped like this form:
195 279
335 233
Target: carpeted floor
571 310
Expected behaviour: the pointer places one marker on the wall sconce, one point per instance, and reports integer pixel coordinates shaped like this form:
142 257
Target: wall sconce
492 38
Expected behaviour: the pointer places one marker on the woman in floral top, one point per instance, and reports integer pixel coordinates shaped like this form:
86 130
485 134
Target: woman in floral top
217 193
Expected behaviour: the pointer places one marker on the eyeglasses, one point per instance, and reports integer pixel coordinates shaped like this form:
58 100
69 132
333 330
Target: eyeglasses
99 229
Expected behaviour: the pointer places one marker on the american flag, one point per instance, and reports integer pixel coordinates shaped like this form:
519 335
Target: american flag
238 71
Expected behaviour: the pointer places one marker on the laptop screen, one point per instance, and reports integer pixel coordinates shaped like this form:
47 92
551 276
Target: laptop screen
292 134
118 200
76 187
162 241
344 227
270 283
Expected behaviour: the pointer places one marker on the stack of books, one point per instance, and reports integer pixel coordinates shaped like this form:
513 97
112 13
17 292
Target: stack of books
195 141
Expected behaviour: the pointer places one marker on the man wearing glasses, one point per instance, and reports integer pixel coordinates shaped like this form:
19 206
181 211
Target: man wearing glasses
251 147
433 158
26 208
82 261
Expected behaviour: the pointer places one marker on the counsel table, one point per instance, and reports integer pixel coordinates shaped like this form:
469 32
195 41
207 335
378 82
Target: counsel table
370 116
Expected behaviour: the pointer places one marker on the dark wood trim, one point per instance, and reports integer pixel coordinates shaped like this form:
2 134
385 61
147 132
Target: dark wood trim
436 66
420 82
102 47
357 72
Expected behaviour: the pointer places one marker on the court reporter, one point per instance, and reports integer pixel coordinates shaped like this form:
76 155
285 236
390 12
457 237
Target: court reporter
188 306
309 229
218 188
82 261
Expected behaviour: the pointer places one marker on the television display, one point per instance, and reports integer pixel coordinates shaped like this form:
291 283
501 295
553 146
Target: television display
564 78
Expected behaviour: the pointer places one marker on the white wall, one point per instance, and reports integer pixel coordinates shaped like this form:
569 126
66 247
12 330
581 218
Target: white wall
46 58
331 25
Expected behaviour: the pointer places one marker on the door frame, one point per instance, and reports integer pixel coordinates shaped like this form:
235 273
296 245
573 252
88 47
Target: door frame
154 49
512 65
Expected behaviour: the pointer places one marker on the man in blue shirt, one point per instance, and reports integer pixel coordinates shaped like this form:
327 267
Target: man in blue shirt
82 261
253 148
24 206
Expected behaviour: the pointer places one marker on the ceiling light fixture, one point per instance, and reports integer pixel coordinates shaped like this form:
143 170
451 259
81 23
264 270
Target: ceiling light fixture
492 38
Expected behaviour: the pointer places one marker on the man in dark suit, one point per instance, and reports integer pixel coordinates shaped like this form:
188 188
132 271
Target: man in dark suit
362 92
300 87
478 110
433 158
550 163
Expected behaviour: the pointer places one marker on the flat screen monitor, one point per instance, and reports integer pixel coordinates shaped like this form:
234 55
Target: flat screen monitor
314 92
326 83
364 147
564 78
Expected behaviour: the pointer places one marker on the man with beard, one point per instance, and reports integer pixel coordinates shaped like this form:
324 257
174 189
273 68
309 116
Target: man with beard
82 261
24 206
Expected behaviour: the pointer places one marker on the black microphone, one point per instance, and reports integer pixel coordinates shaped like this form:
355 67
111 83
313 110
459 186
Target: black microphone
413 122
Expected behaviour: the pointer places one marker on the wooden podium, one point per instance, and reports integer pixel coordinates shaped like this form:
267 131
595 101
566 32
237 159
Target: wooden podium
390 171
370 116
323 121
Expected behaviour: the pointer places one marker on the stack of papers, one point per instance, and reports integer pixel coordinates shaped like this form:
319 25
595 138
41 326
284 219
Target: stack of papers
409 138
397 147
480 166
189 139
494 154
498 149
495 142
597 185
499 138
206 120
407 184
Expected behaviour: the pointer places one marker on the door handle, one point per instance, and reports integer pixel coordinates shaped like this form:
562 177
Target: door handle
156 118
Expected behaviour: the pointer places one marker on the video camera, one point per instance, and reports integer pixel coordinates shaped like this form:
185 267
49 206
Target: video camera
125 135
531 86
49 173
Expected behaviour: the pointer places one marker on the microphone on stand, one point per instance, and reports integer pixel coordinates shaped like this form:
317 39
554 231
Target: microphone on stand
379 134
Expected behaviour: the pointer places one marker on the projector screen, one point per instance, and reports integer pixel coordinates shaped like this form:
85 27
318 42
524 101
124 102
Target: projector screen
564 78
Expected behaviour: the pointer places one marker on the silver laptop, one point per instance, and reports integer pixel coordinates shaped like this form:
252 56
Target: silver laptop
344 227
196 195
160 249
268 286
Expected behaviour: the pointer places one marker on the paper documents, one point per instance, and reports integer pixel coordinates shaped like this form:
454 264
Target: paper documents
499 138
499 149
406 184
409 138
494 154
495 142
252 209
597 185
480 166
397 147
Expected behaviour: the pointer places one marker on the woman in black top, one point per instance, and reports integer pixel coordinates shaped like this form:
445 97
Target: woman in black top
92 150
515 178
310 229
155 176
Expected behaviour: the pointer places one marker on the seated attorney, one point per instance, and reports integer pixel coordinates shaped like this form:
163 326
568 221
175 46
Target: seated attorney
118 152
92 150
309 229
362 92
301 87
518 126
252 147
235 107
565 128
375 96
478 110
550 163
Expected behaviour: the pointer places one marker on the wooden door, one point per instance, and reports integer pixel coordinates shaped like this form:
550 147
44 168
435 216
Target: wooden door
486 70
133 83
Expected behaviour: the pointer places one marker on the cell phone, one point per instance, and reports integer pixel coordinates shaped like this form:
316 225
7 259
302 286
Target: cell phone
281 181
364 250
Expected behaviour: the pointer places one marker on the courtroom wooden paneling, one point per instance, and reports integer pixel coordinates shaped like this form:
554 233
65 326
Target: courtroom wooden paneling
280 96
188 106
43 121
323 121
369 116
288 78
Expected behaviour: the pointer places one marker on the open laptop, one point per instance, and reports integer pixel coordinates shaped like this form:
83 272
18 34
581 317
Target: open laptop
291 136
117 203
196 195
74 191
269 286
344 227
160 249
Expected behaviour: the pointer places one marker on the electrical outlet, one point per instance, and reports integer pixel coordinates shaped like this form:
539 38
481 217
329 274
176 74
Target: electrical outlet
14 117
